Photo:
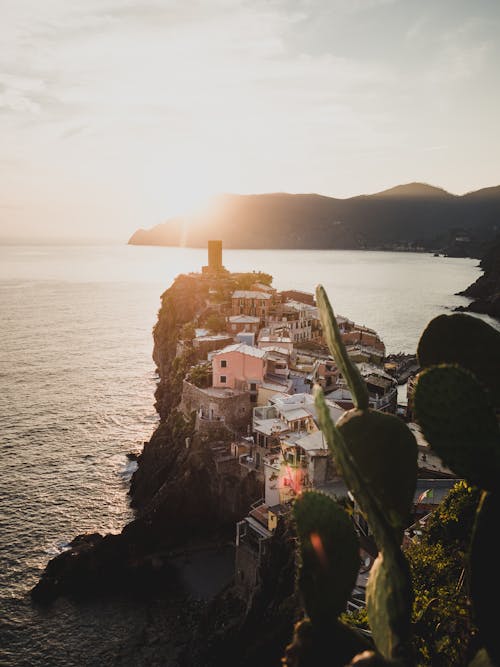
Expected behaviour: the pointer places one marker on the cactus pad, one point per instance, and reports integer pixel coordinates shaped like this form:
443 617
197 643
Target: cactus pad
459 423
467 341
385 451
484 582
329 552
389 601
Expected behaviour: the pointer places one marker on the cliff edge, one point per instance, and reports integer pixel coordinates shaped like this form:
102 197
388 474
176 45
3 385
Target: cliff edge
179 495
485 291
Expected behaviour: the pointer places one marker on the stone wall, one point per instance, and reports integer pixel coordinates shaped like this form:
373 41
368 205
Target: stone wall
229 407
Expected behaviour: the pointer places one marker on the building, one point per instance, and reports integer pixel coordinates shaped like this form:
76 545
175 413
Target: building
251 302
238 323
214 259
298 295
216 407
382 389
239 366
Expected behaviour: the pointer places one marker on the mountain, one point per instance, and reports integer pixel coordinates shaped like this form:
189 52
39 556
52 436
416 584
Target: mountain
413 190
410 215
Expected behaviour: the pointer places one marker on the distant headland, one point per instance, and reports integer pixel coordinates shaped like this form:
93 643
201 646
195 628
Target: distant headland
414 217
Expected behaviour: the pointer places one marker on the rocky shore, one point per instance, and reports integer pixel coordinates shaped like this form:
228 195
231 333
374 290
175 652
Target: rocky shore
182 503
485 291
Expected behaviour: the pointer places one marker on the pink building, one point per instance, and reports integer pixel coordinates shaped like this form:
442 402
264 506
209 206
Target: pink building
239 366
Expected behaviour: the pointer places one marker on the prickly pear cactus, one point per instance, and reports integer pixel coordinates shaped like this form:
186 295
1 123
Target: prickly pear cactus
377 455
484 586
455 406
458 422
389 598
467 341
385 452
329 556
328 567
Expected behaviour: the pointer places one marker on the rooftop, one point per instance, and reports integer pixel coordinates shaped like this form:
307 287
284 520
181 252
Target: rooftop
242 348
313 442
201 339
244 319
250 294
221 392
270 426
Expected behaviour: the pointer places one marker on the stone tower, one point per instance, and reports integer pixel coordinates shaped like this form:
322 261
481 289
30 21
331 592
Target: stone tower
214 256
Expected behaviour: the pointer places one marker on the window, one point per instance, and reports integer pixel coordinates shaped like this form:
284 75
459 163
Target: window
223 363
223 379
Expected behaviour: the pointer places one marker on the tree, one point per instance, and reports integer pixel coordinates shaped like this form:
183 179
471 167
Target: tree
215 323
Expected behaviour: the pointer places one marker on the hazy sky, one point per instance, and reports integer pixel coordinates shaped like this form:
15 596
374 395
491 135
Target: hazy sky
117 114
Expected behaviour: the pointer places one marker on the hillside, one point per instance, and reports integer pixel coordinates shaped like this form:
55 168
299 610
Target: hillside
414 214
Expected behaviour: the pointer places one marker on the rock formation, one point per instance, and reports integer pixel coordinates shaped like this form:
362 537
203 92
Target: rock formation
485 291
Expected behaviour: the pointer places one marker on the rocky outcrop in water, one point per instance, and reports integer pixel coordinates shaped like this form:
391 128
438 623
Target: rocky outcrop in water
177 490
485 292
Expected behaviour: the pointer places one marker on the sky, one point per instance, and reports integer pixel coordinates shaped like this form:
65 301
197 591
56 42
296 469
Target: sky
118 114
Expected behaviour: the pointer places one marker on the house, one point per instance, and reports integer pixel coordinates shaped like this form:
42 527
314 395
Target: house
354 334
295 457
382 389
274 340
238 323
215 407
207 343
298 295
251 302
285 418
239 366
293 319
325 373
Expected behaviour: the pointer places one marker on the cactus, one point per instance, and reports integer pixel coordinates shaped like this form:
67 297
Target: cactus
376 454
329 563
455 406
329 551
362 444
375 440
458 422
467 341
484 585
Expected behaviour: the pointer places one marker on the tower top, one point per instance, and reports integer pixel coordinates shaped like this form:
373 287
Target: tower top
214 257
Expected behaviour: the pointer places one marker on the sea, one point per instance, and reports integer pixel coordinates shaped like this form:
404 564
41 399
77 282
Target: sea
76 396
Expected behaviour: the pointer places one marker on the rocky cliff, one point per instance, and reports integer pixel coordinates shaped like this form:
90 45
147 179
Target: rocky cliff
178 494
485 292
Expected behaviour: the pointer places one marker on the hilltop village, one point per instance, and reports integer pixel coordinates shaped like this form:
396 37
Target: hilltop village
253 356
238 440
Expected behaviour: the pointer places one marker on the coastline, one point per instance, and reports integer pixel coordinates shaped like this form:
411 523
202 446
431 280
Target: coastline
231 530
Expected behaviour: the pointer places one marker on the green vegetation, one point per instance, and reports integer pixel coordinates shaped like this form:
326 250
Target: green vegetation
443 627
215 323
200 375
246 280
418 607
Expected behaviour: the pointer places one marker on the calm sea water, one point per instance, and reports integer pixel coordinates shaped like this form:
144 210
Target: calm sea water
76 395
